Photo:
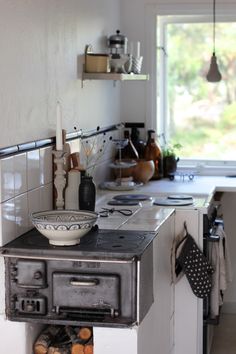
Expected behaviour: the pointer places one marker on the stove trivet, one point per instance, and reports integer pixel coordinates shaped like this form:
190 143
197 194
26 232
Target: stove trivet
123 202
139 197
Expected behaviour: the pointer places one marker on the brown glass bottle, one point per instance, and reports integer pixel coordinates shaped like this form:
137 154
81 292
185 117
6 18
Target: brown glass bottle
153 152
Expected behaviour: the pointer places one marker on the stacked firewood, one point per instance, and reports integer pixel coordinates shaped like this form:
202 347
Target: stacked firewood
64 340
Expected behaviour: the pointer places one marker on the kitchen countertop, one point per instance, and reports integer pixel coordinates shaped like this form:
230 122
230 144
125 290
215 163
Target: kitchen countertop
200 185
203 185
145 216
148 217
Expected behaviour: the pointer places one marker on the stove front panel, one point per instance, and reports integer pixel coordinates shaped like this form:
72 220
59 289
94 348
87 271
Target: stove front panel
97 282
75 292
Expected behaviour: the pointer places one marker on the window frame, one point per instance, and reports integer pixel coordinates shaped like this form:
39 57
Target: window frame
157 90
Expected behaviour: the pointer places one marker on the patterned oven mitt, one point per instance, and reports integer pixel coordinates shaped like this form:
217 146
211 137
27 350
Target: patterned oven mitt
196 267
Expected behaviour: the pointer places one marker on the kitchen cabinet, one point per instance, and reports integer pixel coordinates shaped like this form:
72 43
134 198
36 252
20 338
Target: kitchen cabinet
156 332
188 312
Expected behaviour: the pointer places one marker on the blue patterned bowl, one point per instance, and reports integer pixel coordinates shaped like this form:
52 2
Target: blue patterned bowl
64 227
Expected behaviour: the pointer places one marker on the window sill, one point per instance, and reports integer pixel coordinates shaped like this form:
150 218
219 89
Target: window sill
208 168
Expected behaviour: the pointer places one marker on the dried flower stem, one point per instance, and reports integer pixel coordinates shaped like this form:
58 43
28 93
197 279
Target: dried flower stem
93 151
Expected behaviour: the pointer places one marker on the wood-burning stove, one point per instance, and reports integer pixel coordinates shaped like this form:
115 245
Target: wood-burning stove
106 280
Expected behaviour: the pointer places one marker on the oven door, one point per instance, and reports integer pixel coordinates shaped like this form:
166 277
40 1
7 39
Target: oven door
86 294
209 238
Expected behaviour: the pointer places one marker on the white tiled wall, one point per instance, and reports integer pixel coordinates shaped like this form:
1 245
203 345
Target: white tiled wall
25 186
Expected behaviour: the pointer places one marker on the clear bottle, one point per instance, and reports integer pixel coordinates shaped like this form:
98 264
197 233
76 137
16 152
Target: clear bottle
153 152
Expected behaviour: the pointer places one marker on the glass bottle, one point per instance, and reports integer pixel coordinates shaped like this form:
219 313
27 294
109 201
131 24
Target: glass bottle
153 152
129 151
138 144
87 193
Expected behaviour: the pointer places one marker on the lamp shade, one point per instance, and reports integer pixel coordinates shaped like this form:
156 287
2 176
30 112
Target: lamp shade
213 74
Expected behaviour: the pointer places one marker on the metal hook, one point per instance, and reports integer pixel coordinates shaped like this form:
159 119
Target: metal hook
185 227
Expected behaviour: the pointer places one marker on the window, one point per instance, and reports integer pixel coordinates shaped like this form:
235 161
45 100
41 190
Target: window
199 115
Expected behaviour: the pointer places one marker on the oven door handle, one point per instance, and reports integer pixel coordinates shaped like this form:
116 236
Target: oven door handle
75 282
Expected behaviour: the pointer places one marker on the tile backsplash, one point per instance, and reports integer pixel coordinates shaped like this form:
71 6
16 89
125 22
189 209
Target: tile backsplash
26 182
26 186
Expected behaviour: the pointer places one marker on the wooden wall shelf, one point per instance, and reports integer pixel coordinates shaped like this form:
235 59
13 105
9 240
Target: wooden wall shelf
114 77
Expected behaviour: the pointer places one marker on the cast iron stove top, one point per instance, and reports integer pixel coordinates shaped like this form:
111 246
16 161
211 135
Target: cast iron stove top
97 244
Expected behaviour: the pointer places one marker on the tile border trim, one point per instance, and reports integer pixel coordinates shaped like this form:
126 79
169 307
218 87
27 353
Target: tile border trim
19 148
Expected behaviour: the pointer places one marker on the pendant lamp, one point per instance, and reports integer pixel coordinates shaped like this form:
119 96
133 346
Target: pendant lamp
214 74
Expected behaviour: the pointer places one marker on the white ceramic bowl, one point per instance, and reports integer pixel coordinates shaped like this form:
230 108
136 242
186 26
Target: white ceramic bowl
64 227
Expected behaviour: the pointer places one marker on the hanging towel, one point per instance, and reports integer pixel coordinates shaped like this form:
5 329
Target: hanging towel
220 260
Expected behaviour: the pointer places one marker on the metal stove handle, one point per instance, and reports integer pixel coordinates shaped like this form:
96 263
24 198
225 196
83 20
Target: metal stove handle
92 282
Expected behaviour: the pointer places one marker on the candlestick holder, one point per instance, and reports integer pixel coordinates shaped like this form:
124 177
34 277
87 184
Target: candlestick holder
59 179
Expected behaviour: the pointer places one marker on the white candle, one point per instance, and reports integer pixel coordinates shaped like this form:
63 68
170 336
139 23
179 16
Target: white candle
138 49
59 145
131 48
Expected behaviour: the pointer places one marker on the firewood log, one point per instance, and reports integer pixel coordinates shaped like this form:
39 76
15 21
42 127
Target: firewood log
77 348
85 333
45 339
56 350
88 347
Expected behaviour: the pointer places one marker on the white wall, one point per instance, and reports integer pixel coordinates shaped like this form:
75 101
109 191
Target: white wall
42 46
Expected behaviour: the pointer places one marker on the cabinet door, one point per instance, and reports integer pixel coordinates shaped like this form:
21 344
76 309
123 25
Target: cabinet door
155 333
188 308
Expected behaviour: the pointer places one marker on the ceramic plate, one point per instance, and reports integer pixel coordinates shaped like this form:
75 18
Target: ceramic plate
121 165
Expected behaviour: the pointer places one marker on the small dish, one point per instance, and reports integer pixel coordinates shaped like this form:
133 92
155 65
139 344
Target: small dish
64 227
114 186
123 164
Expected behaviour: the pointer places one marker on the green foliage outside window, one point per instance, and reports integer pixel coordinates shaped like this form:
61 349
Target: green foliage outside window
202 115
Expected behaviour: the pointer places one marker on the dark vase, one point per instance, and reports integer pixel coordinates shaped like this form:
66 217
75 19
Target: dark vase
87 193
170 165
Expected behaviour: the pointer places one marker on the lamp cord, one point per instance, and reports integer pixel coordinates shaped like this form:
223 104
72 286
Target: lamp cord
214 25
